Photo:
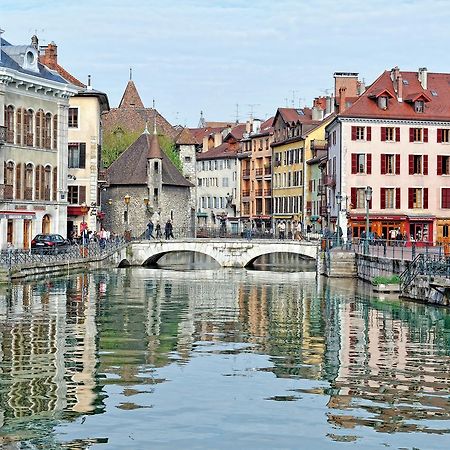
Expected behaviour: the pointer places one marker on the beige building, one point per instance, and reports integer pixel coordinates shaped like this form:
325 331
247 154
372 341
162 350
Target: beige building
33 142
85 176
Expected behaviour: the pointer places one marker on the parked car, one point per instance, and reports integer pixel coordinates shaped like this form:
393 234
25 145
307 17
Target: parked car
49 244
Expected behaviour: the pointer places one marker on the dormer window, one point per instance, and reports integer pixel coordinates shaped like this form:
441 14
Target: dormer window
383 102
419 106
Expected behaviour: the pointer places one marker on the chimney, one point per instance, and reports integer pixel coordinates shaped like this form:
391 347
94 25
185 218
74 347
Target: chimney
34 41
342 97
50 56
329 105
394 74
399 87
317 113
89 83
423 77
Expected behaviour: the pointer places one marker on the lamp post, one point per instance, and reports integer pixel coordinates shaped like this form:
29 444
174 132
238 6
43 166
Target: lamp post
368 196
338 222
126 199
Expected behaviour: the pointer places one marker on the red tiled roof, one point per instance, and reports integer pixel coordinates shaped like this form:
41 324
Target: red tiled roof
237 132
222 151
293 115
186 137
437 108
266 124
130 97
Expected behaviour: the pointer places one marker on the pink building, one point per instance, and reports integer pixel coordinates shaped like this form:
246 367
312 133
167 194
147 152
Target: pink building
394 138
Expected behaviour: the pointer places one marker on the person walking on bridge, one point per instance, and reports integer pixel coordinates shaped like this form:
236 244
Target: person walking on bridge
168 230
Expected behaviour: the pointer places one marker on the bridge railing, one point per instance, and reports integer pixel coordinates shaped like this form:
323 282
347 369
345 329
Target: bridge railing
222 233
93 249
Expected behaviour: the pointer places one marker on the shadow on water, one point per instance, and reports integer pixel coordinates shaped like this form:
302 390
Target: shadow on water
275 262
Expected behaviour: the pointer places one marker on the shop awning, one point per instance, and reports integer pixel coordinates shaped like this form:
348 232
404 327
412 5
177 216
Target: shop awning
18 214
421 219
76 211
202 214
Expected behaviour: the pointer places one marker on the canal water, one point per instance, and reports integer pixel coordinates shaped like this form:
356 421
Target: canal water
189 355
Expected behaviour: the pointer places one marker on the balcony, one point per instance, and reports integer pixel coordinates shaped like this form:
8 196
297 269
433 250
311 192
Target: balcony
28 193
329 180
245 193
267 192
319 144
259 173
259 192
8 192
246 173
267 171
2 135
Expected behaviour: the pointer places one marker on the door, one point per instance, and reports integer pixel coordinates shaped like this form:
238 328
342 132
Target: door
10 232
46 224
26 233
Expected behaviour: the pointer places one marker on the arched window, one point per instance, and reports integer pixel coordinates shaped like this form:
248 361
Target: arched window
37 182
55 183
29 128
9 180
18 181
28 193
39 128
47 131
46 224
19 126
55 132
47 182
9 124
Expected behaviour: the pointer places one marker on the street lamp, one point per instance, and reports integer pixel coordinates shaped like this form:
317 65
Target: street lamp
126 199
368 195
338 222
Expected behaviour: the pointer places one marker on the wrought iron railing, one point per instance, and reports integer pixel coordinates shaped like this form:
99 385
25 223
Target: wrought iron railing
2 135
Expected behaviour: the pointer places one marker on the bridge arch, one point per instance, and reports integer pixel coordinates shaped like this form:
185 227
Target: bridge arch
250 261
153 259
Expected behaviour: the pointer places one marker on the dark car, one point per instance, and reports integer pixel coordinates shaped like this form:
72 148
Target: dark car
49 244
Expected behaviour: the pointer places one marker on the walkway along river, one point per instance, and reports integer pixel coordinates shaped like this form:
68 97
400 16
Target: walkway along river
196 356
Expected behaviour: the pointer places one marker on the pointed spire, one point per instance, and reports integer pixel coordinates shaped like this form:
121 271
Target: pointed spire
131 73
146 128
131 98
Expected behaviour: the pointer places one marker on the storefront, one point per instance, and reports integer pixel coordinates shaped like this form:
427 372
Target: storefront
16 228
421 229
382 226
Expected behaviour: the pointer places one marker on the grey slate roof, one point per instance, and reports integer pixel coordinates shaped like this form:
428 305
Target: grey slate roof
8 62
130 168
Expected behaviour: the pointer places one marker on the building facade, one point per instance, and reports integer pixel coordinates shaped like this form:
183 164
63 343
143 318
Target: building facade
394 139
33 181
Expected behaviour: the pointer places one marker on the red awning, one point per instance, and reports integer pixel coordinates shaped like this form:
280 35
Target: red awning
76 211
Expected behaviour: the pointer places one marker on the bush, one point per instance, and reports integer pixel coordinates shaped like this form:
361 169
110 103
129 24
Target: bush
393 279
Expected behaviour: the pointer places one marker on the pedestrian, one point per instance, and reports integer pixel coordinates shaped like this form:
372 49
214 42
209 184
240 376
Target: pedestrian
281 230
102 238
158 231
168 230
149 231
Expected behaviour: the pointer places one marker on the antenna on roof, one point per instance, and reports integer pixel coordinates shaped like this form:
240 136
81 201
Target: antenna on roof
237 112
131 73
201 122
293 97
300 101
252 106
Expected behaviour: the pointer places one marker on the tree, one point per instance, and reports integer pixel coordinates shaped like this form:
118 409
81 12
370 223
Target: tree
118 140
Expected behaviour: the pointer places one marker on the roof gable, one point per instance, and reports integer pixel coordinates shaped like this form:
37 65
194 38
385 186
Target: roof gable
131 98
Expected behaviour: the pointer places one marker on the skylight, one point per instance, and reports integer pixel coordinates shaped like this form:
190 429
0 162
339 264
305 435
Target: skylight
434 93
300 112
406 82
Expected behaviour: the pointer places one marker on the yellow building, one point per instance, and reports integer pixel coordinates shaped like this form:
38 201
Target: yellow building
291 125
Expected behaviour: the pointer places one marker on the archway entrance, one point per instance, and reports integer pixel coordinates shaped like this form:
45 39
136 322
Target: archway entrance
46 224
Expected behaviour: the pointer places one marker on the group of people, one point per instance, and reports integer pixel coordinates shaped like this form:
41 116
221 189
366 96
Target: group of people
168 230
296 233
86 236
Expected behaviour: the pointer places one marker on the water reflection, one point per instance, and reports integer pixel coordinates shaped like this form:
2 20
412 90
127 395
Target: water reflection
82 355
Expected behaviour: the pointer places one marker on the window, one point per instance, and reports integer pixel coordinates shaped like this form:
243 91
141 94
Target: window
76 195
19 125
418 135
361 163
389 198
187 159
28 194
443 135
55 132
390 134
77 155
419 106
39 128
445 198
443 165
358 198
47 131
361 133
383 102
417 198
418 164
390 164
29 128
9 124
73 117
47 182
225 182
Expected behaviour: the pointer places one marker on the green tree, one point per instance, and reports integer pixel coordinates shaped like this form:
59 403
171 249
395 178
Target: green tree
118 140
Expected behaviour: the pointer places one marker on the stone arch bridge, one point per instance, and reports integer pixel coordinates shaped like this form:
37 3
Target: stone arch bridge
228 253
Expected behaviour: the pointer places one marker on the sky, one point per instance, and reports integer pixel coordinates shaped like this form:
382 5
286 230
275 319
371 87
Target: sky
207 55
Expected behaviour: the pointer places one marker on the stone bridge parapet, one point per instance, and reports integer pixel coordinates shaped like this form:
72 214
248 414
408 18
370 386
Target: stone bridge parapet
228 253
